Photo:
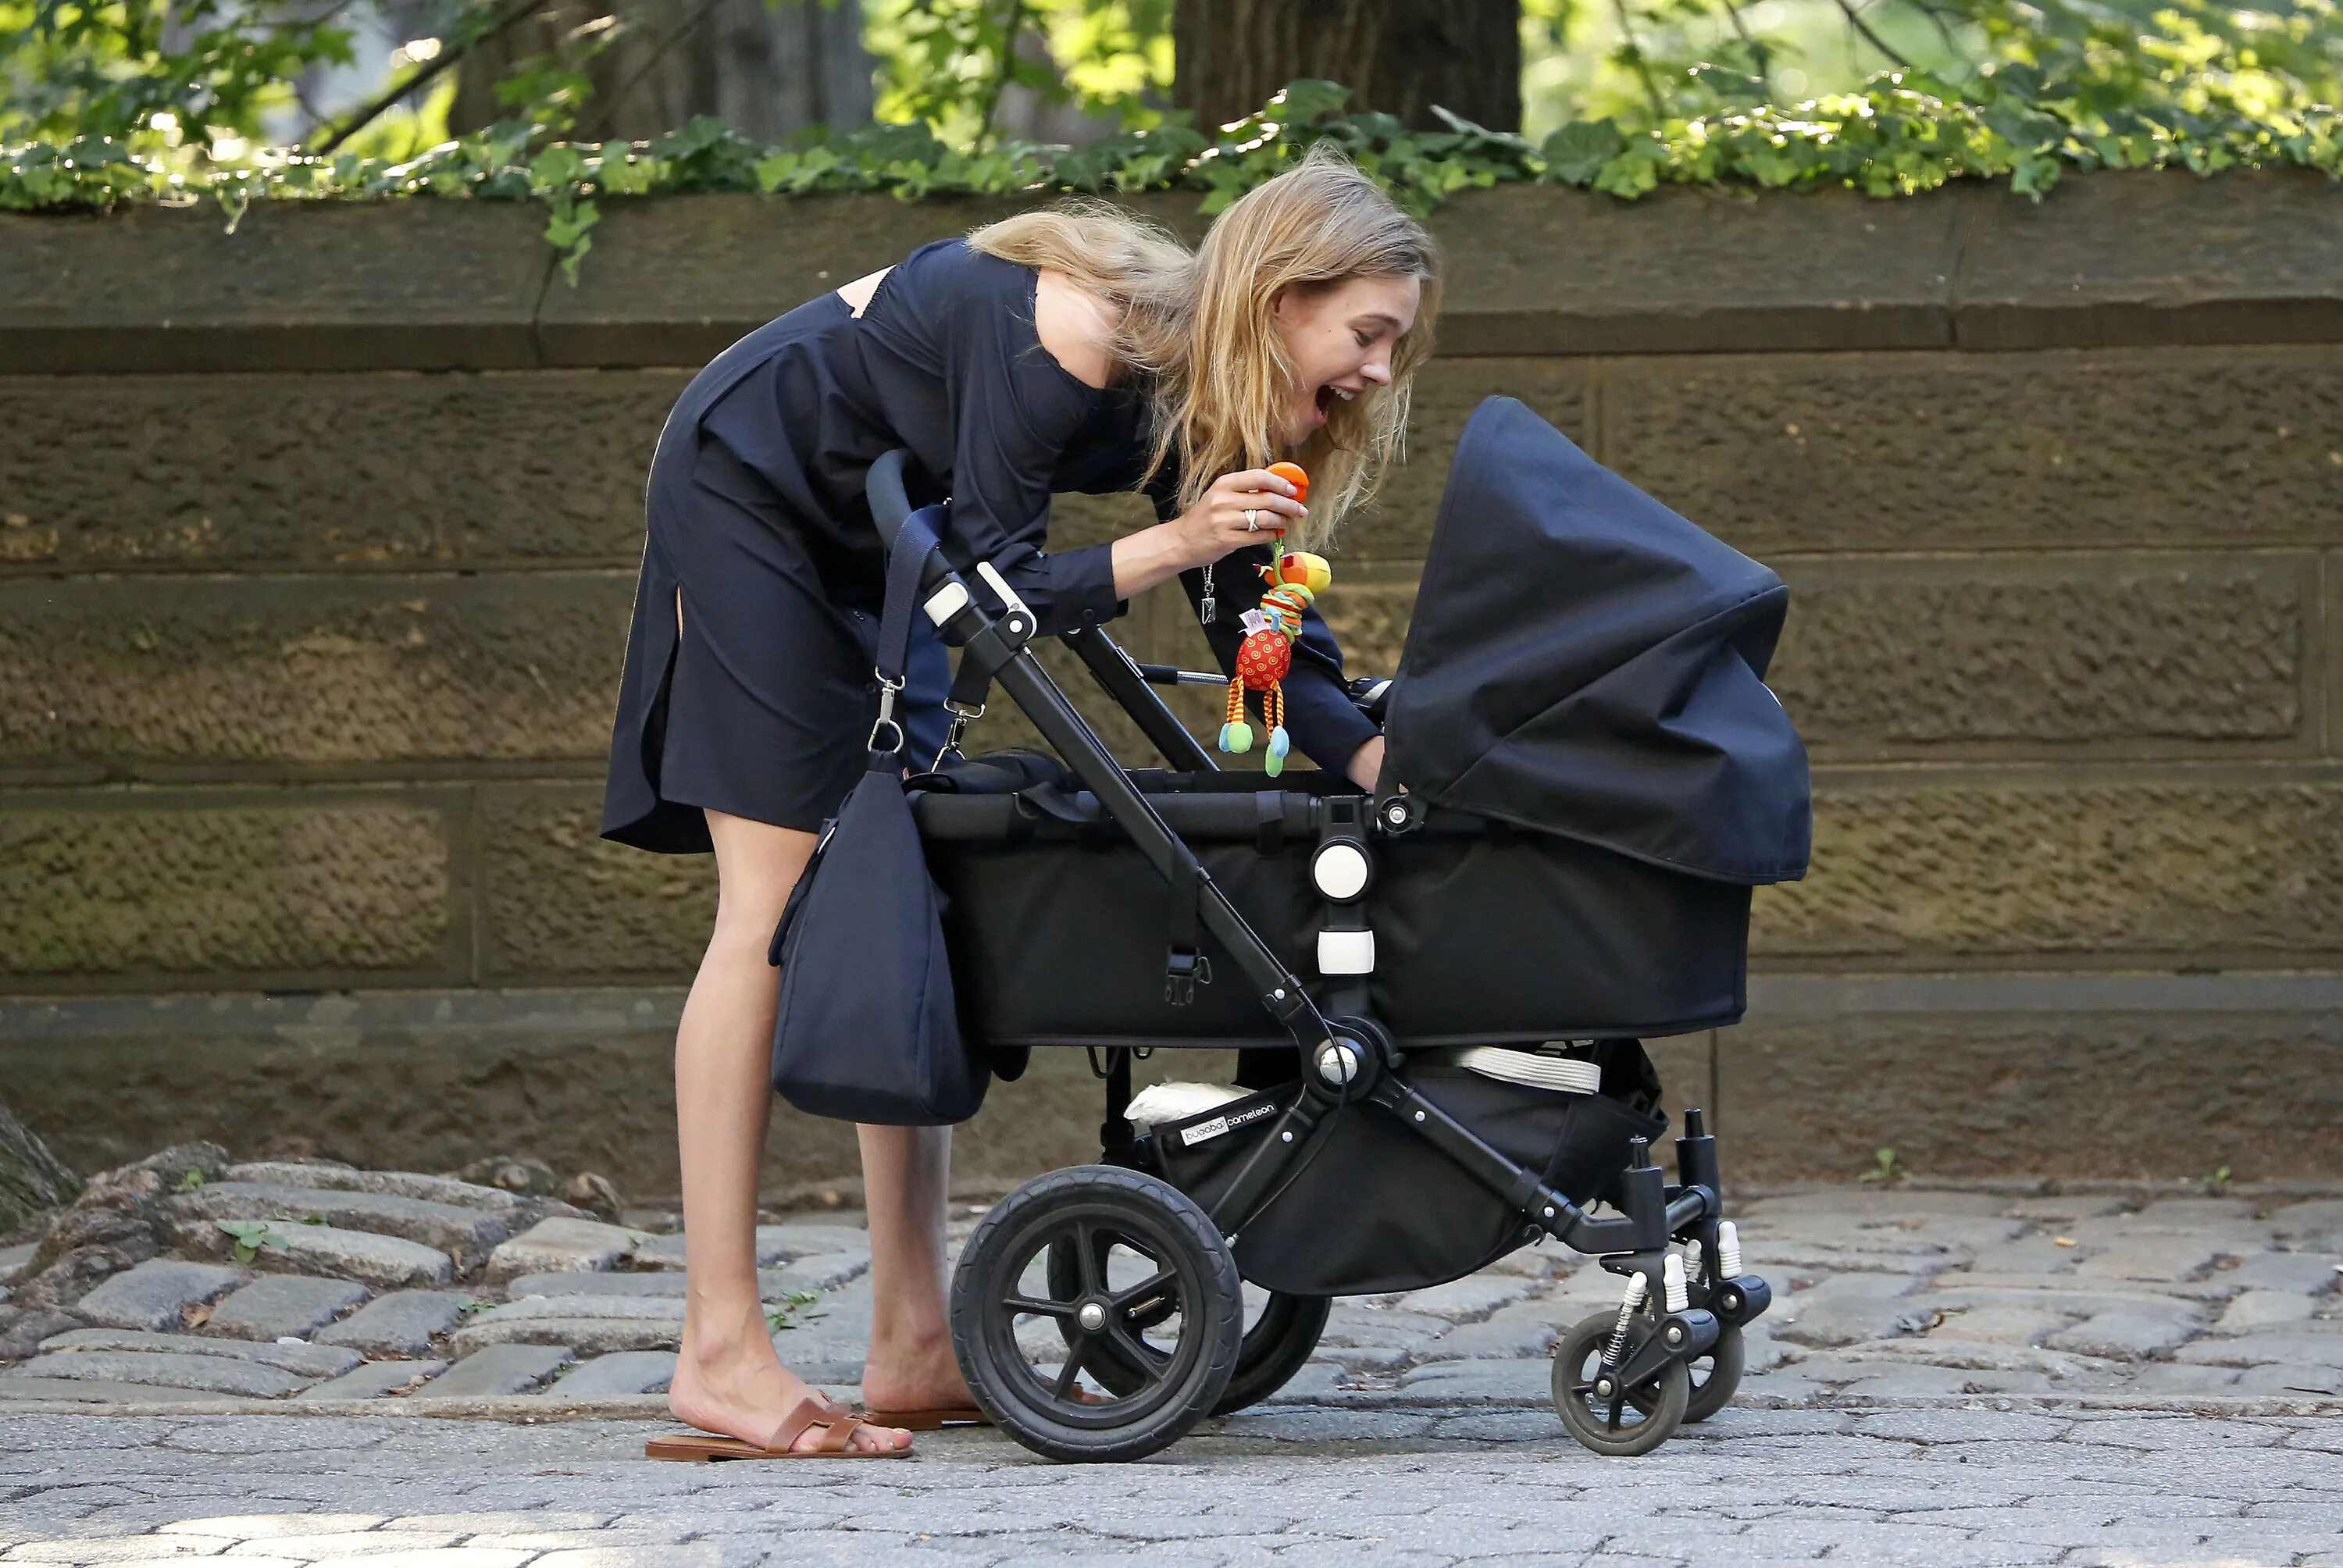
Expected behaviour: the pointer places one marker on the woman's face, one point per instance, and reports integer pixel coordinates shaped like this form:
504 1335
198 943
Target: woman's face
1340 340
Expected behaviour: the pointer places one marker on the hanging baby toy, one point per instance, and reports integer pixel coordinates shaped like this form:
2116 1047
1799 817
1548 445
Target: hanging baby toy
1295 580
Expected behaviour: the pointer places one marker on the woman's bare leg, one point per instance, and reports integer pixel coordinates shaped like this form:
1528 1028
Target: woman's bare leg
905 1173
728 1380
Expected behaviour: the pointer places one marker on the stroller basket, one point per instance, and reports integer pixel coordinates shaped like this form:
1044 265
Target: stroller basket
1450 1224
1484 934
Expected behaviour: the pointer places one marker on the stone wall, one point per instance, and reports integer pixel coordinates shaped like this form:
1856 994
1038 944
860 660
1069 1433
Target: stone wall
317 541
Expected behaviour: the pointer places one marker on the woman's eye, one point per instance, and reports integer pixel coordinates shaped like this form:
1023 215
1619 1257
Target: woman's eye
1365 340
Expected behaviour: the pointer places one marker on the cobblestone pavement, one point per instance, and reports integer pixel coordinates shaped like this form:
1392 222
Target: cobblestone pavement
1297 1486
2020 1375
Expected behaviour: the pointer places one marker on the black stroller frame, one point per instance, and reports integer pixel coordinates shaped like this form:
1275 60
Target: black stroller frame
1622 1382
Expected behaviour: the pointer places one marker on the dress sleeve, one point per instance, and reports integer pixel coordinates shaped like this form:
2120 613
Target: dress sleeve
1319 713
1014 408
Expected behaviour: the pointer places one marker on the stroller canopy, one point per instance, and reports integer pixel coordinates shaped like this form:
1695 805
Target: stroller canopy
1586 662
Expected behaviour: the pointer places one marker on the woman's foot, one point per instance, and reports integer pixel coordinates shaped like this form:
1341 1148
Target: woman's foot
914 1374
735 1392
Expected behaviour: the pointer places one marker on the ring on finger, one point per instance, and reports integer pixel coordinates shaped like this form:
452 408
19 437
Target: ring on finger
1252 524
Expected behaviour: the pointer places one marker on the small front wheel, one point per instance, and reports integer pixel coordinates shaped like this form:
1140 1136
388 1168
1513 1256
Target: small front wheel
1711 1392
1602 1414
1097 1314
1277 1345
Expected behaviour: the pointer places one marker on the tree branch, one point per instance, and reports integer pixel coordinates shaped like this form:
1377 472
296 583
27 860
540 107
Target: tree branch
1634 47
441 62
1855 20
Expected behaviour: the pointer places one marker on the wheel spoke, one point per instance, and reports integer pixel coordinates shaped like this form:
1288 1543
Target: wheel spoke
1090 1245
1146 1357
1071 1370
1039 1309
1125 1299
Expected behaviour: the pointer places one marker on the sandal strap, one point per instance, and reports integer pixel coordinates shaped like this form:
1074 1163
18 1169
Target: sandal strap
839 1435
813 1408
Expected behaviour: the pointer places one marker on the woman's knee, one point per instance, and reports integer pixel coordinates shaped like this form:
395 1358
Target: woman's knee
756 865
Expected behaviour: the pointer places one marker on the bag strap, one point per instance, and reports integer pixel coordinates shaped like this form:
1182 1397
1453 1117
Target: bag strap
907 561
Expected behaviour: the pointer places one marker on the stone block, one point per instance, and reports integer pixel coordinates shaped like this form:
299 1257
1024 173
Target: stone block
284 1306
2292 1346
1520 1331
2288 1274
298 285
561 1245
618 1373
309 1361
498 1370
15 1384
2122 1336
2161 257
222 884
16 1261
2001 1326
154 1294
1974 656
560 901
108 673
1464 1301
385 1262
1929 452
2308 1221
2189 871
661 1285
466 1232
1979 1075
391 1183
2264 1309
376 1379
402 1323
2150 1255
206 1373
334 471
1847 1309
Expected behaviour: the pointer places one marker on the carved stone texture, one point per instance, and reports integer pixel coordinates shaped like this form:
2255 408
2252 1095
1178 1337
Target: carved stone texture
2186 870
1973 1091
112 673
339 471
179 884
559 900
1534 269
2172 447
2162 258
1917 655
308 286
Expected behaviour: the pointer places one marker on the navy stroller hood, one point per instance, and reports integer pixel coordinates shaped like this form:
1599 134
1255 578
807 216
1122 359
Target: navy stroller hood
1583 661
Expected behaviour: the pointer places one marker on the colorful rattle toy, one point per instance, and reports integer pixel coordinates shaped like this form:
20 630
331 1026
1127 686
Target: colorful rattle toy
1266 655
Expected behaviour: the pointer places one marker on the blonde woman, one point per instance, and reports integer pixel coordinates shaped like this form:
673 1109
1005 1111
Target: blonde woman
1072 348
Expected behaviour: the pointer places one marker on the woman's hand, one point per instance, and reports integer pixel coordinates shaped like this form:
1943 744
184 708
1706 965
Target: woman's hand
1203 535
1366 764
1217 524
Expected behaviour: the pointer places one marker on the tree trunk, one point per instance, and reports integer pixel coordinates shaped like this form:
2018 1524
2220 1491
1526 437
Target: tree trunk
31 1182
766 71
1397 57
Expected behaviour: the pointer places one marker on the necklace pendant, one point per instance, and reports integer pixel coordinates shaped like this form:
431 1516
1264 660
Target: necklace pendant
1207 606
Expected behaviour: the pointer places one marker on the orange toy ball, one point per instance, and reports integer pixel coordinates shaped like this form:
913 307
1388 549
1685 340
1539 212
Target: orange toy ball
1292 473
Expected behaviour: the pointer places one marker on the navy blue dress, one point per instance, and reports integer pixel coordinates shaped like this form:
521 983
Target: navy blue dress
756 515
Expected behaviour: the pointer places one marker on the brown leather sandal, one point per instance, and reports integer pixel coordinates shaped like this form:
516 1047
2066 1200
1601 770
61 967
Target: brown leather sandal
929 1420
838 1426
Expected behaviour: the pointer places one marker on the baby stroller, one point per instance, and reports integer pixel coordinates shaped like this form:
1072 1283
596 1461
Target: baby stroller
1440 994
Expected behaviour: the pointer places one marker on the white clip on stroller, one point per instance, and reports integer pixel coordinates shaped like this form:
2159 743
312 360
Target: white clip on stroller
1595 776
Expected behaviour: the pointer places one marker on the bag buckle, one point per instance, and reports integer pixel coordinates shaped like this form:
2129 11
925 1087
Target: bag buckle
887 691
963 714
1183 971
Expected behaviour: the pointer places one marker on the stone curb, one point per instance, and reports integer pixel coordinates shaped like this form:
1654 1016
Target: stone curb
536 1411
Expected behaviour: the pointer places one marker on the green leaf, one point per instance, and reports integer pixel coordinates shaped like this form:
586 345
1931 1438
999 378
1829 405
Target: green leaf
1576 152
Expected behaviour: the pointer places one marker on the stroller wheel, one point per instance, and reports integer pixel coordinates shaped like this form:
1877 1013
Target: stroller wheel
1097 1314
1275 1347
1715 1373
1622 1422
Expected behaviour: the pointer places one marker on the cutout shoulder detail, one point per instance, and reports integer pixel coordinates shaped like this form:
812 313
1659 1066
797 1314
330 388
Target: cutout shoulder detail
1073 316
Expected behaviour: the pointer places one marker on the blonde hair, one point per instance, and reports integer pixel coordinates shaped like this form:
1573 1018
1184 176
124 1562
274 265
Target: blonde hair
1199 327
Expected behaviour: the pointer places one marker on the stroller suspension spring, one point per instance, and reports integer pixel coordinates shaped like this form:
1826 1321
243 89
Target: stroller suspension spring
1629 1304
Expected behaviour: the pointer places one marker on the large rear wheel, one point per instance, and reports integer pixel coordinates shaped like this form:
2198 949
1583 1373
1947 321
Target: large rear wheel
1097 1314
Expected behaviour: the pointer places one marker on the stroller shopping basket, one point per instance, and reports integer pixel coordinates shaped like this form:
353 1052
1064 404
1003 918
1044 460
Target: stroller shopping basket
1483 934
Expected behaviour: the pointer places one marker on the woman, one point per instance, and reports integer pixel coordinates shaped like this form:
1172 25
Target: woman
1075 348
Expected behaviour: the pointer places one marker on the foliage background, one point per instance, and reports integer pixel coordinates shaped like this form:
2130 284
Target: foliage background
174 100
